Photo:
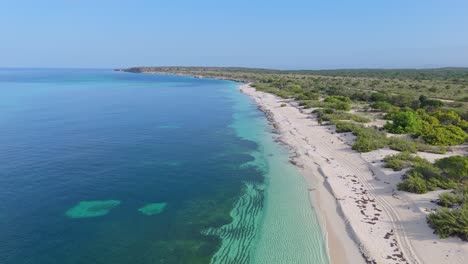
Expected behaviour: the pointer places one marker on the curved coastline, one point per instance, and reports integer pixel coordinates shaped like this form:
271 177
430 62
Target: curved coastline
340 249
342 185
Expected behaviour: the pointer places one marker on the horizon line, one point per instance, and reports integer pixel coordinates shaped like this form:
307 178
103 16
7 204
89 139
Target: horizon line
238 67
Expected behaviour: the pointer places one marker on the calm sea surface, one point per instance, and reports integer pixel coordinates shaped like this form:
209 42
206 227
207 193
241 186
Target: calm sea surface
99 166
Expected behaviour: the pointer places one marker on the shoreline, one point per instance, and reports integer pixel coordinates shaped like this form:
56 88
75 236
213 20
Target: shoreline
341 249
353 193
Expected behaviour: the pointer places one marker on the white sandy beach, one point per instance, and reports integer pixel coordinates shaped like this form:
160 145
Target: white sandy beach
356 197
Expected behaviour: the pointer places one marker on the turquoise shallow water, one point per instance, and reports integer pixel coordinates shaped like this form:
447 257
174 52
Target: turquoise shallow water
111 167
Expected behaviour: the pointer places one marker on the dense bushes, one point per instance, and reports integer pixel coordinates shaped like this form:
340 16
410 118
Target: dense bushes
404 123
402 160
444 173
451 222
369 139
450 118
334 105
446 222
301 97
439 129
449 199
385 107
430 104
413 184
431 149
454 168
432 120
343 127
338 98
428 177
339 102
402 144
307 103
341 106
444 135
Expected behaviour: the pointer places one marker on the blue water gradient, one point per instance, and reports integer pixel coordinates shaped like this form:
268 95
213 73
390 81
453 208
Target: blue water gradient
69 136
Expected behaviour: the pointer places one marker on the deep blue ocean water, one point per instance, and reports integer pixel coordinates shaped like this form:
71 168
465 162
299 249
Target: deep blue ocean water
68 136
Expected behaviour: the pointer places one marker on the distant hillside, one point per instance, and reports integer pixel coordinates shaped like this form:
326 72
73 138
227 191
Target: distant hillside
454 75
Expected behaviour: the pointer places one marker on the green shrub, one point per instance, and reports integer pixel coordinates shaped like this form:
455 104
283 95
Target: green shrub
444 135
376 97
338 102
430 104
448 199
429 119
301 97
384 107
413 184
337 98
431 149
454 167
446 222
397 164
401 100
358 118
343 127
404 122
341 115
283 94
402 144
369 139
450 118
342 106
441 183
402 160
293 88
311 95
323 111
311 103
431 175
306 104
283 105
425 170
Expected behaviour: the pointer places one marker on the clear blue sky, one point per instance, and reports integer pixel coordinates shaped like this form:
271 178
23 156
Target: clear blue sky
292 34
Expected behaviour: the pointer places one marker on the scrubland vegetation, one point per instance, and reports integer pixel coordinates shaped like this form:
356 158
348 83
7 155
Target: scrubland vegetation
449 173
427 108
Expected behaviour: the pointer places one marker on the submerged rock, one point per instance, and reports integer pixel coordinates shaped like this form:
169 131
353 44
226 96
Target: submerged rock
85 209
152 208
